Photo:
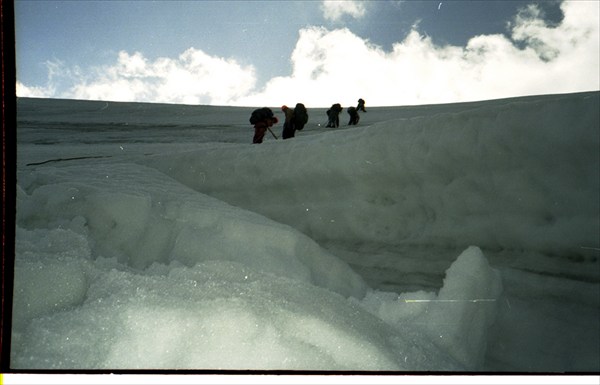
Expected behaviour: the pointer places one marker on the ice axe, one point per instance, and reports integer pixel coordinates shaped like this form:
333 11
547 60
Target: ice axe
272 133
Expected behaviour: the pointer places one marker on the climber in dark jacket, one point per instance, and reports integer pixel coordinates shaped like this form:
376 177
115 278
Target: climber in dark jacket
354 118
334 115
361 105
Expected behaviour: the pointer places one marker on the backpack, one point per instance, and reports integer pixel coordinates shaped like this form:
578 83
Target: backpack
335 109
300 116
260 114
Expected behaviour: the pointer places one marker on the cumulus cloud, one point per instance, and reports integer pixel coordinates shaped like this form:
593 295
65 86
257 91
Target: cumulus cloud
34 92
334 10
192 78
59 74
337 66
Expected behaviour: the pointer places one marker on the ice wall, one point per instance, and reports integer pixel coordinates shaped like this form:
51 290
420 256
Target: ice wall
140 217
120 267
520 174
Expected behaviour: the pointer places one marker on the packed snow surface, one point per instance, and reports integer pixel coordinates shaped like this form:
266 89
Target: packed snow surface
427 238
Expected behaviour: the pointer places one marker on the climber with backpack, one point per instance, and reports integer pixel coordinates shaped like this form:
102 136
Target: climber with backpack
333 115
262 119
354 117
361 105
294 120
300 116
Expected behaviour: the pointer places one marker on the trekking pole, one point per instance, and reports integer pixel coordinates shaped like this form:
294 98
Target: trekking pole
269 128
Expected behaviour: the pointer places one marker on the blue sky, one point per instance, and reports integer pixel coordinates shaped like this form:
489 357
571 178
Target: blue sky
320 52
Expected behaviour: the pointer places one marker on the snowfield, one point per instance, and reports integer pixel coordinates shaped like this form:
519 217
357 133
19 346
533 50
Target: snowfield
456 237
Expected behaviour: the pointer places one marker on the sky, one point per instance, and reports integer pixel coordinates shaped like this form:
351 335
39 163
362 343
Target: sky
255 53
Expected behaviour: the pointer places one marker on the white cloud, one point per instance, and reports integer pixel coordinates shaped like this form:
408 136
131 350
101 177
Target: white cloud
34 92
332 66
192 78
58 73
334 10
338 66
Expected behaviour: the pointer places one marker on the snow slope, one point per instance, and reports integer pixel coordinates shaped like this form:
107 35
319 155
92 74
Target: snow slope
443 237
